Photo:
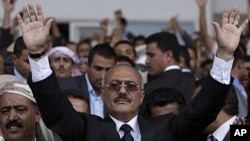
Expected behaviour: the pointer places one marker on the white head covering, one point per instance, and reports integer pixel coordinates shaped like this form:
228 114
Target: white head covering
59 50
11 84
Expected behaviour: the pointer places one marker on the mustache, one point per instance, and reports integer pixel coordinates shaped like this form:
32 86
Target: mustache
61 68
122 97
13 123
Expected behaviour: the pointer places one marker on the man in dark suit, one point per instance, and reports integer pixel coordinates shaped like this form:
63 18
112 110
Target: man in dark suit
163 53
100 59
123 92
20 60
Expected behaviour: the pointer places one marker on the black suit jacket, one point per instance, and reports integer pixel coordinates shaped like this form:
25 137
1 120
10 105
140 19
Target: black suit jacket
78 82
59 115
175 78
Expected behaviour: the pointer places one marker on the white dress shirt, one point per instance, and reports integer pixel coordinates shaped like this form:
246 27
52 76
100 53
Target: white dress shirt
221 132
135 132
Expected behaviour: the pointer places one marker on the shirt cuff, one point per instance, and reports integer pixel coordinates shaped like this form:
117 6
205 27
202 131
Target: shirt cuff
221 70
40 69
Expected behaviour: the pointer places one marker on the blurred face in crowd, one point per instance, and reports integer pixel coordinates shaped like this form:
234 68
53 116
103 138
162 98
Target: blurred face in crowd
71 46
193 60
1 65
62 65
78 104
122 92
97 69
83 50
125 50
21 63
245 74
18 117
156 60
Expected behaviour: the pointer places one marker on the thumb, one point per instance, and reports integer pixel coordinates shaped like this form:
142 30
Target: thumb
49 22
216 27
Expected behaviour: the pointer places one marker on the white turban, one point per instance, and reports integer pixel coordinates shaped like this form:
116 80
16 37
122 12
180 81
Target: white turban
11 84
62 50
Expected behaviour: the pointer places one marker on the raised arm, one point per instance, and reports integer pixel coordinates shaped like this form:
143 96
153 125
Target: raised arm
104 29
7 34
206 38
216 85
57 112
8 8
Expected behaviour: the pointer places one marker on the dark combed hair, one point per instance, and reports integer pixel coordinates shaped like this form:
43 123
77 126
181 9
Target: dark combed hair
125 42
19 46
165 41
231 104
163 96
121 58
75 93
123 21
104 50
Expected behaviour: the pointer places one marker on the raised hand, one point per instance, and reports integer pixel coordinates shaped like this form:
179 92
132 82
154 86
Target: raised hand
228 35
104 24
201 3
34 28
8 6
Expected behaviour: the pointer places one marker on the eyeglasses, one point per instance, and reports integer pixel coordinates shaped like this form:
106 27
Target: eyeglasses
116 87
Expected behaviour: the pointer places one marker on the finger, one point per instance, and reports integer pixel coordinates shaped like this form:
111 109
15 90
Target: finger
216 27
48 24
232 15
237 17
225 16
32 12
26 15
20 21
39 13
243 25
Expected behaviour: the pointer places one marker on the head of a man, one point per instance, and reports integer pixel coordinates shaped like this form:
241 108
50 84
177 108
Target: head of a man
83 48
101 58
125 48
245 78
162 51
62 60
78 99
20 57
19 113
122 92
163 101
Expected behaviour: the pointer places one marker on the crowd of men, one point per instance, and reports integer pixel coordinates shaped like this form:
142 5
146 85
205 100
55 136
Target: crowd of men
168 86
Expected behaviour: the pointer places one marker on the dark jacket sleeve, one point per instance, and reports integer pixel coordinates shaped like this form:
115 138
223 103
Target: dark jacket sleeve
57 112
201 111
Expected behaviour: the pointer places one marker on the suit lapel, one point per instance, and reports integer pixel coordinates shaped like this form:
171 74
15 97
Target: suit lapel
109 130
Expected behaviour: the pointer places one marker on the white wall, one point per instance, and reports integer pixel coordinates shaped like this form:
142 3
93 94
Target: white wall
133 10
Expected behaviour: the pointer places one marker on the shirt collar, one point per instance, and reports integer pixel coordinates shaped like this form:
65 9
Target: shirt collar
133 123
221 132
90 88
18 75
172 67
